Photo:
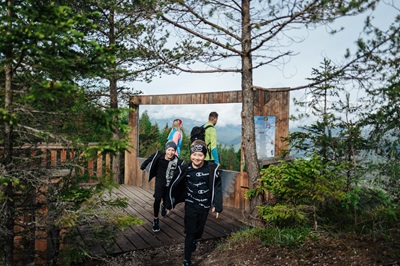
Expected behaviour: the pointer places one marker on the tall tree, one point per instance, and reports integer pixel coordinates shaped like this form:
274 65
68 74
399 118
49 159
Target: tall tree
121 27
335 134
365 131
378 73
248 34
149 135
9 207
43 59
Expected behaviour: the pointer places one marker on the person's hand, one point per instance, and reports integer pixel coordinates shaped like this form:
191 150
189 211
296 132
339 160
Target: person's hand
168 212
217 214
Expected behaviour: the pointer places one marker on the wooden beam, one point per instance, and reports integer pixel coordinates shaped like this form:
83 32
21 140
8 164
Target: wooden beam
189 98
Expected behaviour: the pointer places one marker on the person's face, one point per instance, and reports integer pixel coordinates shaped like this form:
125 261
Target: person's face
169 153
214 120
197 159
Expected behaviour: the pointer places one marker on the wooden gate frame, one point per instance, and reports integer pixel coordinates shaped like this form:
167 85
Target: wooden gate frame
267 103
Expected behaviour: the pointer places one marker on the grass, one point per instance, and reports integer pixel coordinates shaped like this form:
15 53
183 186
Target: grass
283 237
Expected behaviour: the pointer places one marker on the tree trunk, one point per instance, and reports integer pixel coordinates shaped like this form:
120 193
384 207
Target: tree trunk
116 160
248 131
9 208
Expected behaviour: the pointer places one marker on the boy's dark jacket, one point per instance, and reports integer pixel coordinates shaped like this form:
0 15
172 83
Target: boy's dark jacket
177 191
153 163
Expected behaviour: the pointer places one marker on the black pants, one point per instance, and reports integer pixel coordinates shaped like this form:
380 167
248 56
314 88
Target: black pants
160 193
195 221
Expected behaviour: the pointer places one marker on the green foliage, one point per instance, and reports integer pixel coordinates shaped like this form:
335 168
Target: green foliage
230 159
73 255
388 175
330 136
148 136
285 237
300 189
4 181
52 61
283 214
90 207
361 189
382 102
48 100
164 135
373 209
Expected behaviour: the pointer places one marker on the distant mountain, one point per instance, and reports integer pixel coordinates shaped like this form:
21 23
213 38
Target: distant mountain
227 135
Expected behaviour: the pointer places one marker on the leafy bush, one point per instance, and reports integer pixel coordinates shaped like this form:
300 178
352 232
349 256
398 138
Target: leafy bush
311 192
300 189
373 209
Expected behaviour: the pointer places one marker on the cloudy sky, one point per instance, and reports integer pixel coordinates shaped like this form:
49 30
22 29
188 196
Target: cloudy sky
319 44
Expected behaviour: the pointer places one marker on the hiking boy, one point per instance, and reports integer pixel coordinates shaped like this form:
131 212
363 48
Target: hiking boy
162 166
199 186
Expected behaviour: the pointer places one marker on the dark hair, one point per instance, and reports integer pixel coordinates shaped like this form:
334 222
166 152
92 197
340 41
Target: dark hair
213 114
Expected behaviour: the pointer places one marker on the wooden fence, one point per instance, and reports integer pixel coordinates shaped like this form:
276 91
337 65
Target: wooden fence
57 156
56 162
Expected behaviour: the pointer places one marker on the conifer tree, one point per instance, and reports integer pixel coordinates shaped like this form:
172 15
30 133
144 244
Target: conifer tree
44 60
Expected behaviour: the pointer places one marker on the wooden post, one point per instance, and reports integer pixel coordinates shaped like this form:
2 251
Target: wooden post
63 156
99 171
53 153
132 153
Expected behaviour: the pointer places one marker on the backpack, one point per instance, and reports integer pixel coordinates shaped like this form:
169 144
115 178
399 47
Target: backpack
198 132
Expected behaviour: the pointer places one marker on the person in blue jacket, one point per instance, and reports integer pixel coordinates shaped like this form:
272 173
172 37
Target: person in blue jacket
162 166
176 135
198 185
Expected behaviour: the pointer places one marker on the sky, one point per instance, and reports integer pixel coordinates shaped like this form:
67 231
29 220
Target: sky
318 44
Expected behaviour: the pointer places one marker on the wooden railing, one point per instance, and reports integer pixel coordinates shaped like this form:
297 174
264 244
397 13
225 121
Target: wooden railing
56 156
58 161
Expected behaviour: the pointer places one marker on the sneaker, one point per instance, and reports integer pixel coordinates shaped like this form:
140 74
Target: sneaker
163 211
156 225
187 263
194 245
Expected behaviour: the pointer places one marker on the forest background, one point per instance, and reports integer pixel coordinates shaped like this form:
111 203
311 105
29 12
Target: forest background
64 70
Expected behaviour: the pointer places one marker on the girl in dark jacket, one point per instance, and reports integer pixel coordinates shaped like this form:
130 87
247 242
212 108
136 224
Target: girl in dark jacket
199 186
162 166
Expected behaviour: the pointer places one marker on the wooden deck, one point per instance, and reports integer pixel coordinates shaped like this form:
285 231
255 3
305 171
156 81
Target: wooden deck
139 237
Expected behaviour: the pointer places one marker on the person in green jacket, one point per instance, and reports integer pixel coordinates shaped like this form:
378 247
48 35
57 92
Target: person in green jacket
211 138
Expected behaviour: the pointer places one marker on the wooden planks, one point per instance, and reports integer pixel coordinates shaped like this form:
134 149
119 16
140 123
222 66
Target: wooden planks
140 204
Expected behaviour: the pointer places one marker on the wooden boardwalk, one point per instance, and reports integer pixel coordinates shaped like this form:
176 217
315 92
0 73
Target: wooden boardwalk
139 237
